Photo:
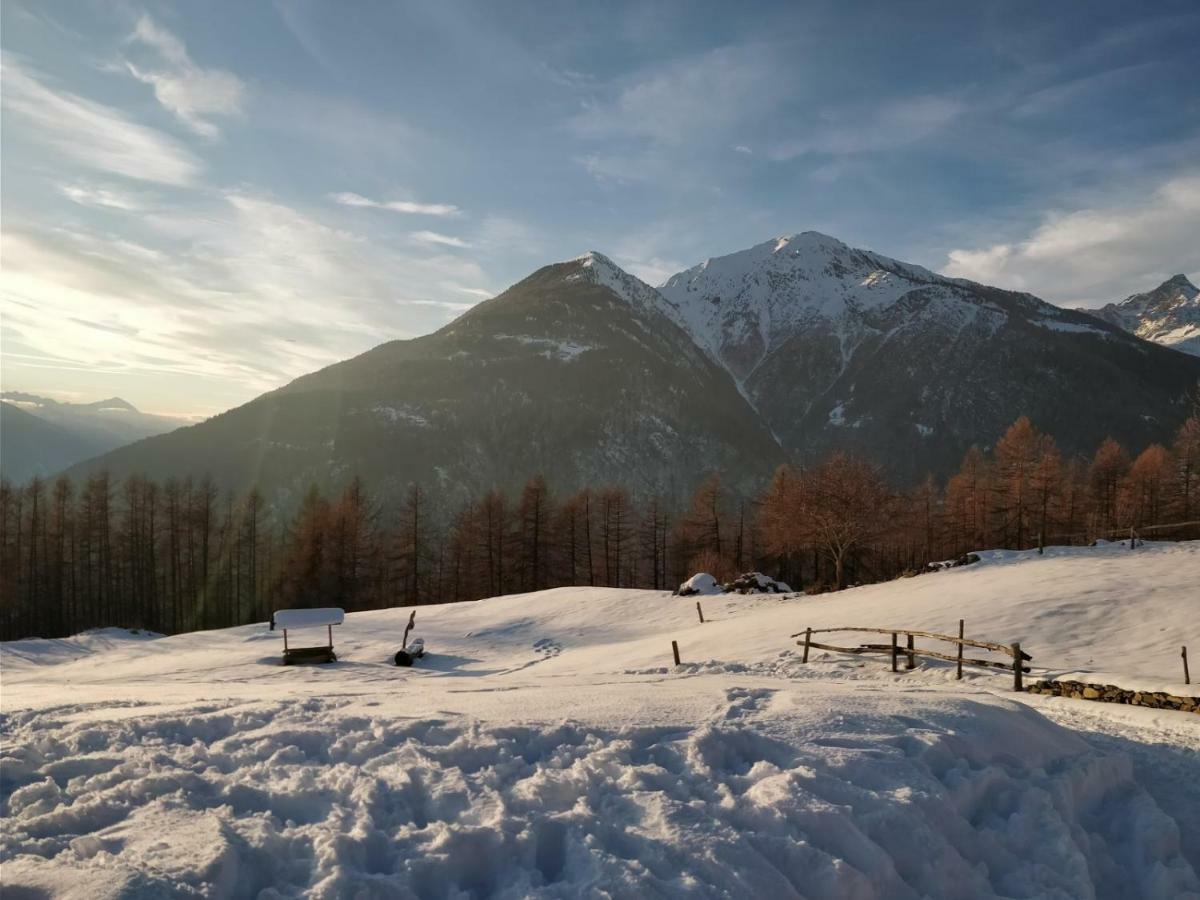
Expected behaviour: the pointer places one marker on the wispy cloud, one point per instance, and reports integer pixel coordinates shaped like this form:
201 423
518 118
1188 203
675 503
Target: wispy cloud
474 292
209 307
401 206
453 306
1098 253
674 102
193 94
433 237
105 196
92 134
897 123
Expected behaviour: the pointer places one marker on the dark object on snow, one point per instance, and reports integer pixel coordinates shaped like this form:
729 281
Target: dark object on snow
756 583
406 656
966 559
308 618
412 620
300 655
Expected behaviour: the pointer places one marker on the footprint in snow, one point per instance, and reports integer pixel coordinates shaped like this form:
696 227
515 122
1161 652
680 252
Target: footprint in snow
745 701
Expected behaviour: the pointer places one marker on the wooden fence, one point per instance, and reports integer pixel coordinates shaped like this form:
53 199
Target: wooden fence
911 652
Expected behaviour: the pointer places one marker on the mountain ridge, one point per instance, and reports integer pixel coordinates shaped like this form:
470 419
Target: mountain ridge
50 435
781 352
575 372
1168 315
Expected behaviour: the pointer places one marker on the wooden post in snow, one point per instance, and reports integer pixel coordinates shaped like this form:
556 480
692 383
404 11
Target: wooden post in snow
912 659
699 612
808 640
675 651
960 649
1017 668
1187 678
894 652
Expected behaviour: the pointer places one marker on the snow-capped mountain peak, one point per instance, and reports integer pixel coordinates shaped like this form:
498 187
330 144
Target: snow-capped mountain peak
600 270
743 306
1168 315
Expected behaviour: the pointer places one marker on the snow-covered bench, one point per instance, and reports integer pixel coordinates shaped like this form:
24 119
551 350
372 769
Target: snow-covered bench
285 619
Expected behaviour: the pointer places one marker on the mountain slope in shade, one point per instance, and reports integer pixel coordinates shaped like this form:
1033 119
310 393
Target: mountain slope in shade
1168 315
578 372
32 446
43 436
844 348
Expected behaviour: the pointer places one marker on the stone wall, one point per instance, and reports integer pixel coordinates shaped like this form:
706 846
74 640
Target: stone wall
1110 693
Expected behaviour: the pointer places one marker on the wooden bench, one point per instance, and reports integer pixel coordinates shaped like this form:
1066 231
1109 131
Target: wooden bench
292 619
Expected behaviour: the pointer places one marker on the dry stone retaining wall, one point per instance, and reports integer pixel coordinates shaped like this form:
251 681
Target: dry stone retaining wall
1110 693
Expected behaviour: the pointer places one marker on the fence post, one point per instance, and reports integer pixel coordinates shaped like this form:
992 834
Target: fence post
808 637
894 652
1017 667
675 651
960 649
1187 678
699 612
912 659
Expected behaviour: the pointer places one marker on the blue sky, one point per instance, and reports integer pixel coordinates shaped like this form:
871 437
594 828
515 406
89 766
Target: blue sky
204 200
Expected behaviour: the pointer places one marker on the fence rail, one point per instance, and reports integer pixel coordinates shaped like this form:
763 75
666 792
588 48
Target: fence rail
911 651
970 642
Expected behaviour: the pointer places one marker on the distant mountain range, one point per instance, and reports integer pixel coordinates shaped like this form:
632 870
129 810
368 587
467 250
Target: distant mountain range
1168 315
784 351
40 436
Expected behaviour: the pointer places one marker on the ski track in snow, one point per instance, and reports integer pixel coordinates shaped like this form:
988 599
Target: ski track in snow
545 749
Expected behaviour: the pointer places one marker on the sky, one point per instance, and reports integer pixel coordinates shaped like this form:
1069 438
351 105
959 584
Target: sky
202 201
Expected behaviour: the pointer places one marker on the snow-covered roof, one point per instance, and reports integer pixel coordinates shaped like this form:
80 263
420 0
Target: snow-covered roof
309 618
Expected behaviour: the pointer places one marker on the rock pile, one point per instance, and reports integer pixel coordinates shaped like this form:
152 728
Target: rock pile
1110 693
966 559
747 583
756 583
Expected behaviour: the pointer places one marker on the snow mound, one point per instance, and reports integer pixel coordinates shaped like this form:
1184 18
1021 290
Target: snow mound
701 584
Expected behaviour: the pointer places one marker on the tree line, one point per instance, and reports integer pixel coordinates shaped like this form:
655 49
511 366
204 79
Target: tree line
182 555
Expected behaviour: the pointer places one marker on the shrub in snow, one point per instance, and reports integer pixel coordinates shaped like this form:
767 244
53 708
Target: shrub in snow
700 583
756 583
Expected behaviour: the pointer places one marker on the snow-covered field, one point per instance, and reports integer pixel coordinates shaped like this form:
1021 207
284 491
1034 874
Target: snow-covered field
549 747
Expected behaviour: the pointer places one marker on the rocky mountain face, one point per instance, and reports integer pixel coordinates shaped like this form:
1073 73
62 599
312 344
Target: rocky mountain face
843 348
40 436
578 372
1168 315
785 351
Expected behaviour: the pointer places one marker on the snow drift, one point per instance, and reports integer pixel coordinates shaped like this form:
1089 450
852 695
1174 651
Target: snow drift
547 748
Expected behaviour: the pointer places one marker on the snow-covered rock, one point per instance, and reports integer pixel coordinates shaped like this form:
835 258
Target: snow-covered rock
700 584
